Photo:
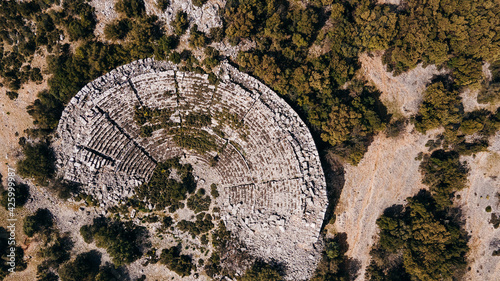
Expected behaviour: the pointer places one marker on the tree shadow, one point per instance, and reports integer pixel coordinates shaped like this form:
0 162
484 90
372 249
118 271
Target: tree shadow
335 180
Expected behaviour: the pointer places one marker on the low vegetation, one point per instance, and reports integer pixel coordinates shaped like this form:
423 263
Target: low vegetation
21 193
199 202
163 189
203 224
122 240
260 271
40 222
423 242
38 162
180 264
5 250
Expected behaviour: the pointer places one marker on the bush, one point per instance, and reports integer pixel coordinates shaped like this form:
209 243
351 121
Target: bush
444 174
57 253
197 38
213 190
21 194
199 3
117 30
202 224
180 264
162 4
40 222
217 34
433 246
122 240
5 250
198 202
85 267
130 8
441 107
163 191
181 23
38 162
261 272
12 95
64 189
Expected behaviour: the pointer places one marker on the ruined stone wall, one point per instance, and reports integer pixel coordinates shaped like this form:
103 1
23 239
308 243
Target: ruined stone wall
273 191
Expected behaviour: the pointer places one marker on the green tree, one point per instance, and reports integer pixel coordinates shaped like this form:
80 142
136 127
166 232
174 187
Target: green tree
180 264
130 8
40 222
444 174
163 4
181 23
261 272
441 106
84 267
21 194
38 162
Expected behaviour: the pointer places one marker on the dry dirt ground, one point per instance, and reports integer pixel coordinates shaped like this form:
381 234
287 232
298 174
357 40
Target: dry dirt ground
14 119
482 192
393 2
387 175
401 94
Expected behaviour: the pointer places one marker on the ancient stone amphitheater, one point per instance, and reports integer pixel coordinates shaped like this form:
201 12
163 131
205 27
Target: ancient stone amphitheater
269 176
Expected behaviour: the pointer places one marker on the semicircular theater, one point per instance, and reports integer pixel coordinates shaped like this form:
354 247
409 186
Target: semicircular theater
268 172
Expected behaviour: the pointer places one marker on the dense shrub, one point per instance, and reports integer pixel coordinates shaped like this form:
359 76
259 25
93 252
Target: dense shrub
122 240
441 106
130 8
84 267
180 264
163 191
63 188
334 264
21 194
55 253
181 23
199 202
424 243
261 272
12 95
197 38
117 30
40 222
444 174
199 3
202 224
38 162
163 4
5 249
